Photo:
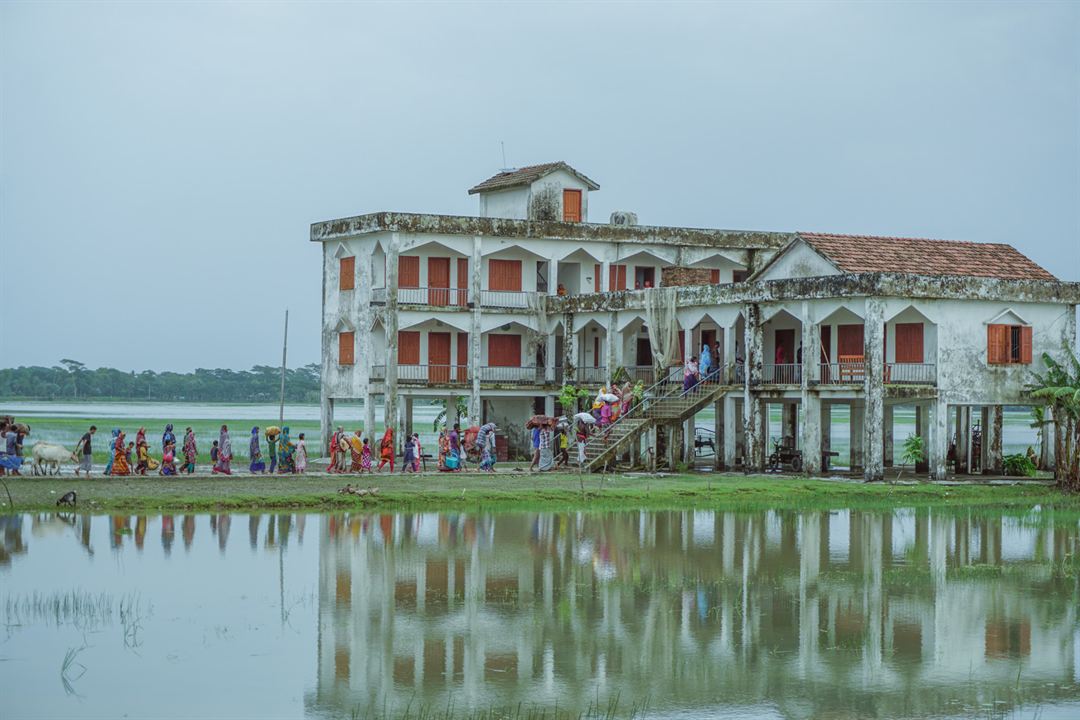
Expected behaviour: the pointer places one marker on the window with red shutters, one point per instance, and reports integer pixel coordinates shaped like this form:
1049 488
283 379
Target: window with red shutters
597 285
1008 344
909 342
617 278
1025 344
408 271
408 347
571 205
347 273
346 346
504 275
504 350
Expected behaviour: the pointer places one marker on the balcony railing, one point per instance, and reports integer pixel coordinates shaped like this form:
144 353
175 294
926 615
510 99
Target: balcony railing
596 375
782 374
910 373
505 298
431 296
459 375
644 373
845 372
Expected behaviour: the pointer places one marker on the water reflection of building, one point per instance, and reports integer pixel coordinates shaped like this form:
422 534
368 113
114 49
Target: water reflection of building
910 612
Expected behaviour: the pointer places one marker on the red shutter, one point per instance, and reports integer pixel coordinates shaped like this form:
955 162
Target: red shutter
909 342
438 272
571 205
462 355
408 271
596 277
682 347
439 357
997 345
714 277
617 277
596 352
462 280
347 273
408 347
504 275
504 350
849 341
346 345
1025 344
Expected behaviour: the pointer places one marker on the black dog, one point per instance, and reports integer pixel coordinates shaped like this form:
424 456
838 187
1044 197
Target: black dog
67 499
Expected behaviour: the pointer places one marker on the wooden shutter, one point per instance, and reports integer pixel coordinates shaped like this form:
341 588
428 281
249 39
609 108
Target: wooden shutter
849 341
596 277
1025 344
504 350
438 270
596 352
571 201
997 344
462 280
617 277
682 347
909 342
408 347
504 275
462 355
714 277
347 273
408 271
346 347
439 357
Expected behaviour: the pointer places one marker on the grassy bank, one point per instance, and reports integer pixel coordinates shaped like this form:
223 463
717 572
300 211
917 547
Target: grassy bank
508 491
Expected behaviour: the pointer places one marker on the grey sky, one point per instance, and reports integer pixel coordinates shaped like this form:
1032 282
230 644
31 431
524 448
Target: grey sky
161 162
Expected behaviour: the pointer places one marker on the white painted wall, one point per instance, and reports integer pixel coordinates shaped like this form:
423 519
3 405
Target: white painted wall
512 204
800 260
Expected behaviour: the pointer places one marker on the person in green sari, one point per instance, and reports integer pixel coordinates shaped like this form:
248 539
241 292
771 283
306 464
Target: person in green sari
271 449
286 448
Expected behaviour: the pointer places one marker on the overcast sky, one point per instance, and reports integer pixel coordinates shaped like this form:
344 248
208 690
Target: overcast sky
161 163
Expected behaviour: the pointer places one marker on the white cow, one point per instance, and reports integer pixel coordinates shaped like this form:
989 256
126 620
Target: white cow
50 454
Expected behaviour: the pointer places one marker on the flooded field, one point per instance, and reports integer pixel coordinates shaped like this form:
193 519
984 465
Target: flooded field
842 614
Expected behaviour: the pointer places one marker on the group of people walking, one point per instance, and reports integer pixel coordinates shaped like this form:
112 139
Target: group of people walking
352 454
136 458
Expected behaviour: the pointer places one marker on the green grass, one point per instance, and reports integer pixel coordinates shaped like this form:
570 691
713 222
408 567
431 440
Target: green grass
514 490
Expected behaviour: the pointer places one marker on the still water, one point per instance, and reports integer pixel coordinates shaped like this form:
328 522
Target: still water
843 614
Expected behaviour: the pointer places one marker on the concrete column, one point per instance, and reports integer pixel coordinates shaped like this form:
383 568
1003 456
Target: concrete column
549 405
550 361
476 410
369 417
938 447
811 440
888 441
826 429
326 423
688 343
874 389
726 442
754 455
811 347
689 429
605 276
730 337
984 446
390 325
407 409
963 428
997 463
570 350
856 423
718 433
553 276
611 337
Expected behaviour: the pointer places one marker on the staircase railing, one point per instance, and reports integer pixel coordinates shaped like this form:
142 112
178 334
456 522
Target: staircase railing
637 408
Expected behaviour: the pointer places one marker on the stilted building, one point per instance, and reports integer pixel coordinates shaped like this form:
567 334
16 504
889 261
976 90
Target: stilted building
506 307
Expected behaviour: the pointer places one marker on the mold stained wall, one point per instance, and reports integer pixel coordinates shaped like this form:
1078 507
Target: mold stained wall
800 261
346 310
542 200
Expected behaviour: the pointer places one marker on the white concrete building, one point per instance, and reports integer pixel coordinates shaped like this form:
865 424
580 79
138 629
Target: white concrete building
506 307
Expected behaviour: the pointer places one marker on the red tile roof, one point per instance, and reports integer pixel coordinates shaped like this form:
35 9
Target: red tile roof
918 256
526 176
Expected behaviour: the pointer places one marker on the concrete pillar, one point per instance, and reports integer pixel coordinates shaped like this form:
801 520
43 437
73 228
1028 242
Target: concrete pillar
549 405
369 417
856 422
984 446
326 423
476 410
726 442
553 276
718 433
407 411
997 463
810 437
611 337
605 276
730 341
811 345
689 429
888 440
963 428
390 325
570 350
826 430
688 343
754 456
550 361
874 389
938 447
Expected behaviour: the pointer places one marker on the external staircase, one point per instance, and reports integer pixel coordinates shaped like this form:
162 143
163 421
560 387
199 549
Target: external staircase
663 403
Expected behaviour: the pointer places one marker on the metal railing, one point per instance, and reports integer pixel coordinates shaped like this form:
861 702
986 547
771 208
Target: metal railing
436 297
597 375
459 374
910 373
849 372
669 385
505 298
528 375
644 373
782 374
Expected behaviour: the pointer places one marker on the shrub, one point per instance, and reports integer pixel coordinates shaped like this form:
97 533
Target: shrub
1019 464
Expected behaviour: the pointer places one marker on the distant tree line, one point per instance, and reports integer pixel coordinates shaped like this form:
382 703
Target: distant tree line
72 380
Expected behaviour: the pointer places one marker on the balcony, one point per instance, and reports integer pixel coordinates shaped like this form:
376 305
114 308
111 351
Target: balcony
595 375
852 371
507 298
782 374
910 374
424 375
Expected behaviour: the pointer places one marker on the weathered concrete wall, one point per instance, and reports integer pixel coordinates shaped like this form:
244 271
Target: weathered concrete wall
512 203
874 385
798 261
752 415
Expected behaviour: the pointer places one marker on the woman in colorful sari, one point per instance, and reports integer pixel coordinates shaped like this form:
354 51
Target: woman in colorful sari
386 449
286 449
486 441
191 451
167 438
332 467
444 449
301 454
356 453
112 448
365 457
224 452
255 452
120 465
627 397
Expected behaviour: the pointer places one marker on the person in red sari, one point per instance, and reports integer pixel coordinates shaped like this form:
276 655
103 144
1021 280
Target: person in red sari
334 450
386 449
